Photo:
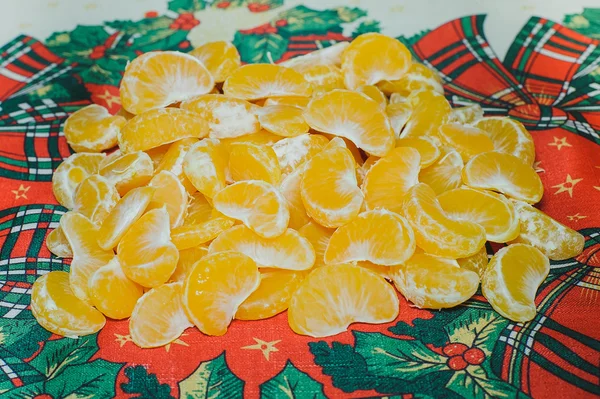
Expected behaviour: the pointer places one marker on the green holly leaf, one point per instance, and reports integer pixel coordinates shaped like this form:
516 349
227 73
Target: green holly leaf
94 379
302 19
141 27
477 328
58 354
185 6
260 48
29 391
473 382
13 362
588 22
291 383
367 26
145 385
22 336
212 379
160 40
429 331
350 14
77 44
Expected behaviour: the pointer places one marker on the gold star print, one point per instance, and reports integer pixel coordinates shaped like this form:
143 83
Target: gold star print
122 339
576 217
21 192
567 186
265 347
178 341
537 165
109 98
560 143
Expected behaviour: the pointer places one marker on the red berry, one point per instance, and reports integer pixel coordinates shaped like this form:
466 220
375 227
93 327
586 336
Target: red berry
262 7
457 363
454 349
174 25
224 4
184 44
270 29
139 52
186 16
42 396
281 22
186 26
151 14
253 7
474 356
195 22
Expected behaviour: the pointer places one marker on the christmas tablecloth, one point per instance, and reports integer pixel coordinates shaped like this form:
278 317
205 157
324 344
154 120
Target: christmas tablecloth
549 79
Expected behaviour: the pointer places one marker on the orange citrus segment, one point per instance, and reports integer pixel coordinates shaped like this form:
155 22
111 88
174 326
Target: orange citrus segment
146 252
554 239
476 263
333 297
253 162
161 126
435 232
158 317
417 78
291 190
427 148
215 288
512 279
399 114
289 251
92 128
128 171
495 213
374 94
160 78
256 81
373 57
354 116
294 101
257 204
319 237
192 235
157 154
71 172
468 141
221 58
199 210
323 77
173 161
262 137
379 236
509 136
283 120
390 177
434 283
112 293
205 166
95 197
429 111
169 192
57 243
187 258
445 173
466 115
504 173
58 310
331 55
292 152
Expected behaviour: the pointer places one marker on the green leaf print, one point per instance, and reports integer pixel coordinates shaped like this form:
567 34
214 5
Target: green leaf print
183 6
588 22
145 385
60 353
255 48
477 328
302 19
212 379
367 26
93 380
291 383
473 382
141 27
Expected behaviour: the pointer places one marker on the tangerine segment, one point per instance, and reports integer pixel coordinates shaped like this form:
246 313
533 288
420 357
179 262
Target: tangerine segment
430 111
294 101
227 117
58 310
112 293
192 235
388 180
57 243
554 239
289 251
128 171
290 188
434 283
253 162
374 94
417 78
427 148
205 165
399 114
95 197
157 154
272 295
329 188
199 210
283 120
159 78
509 136
334 296
494 212
169 192
146 252
504 173
71 172
331 55
87 255
159 317
257 81
373 57
221 58
187 258
92 128
323 77
293 152
466 115
354 116
445 174
379 236
161 126
215 288
476 263
512 279
129 209
257 204
468 141
435 232
173 161
319 237
262 137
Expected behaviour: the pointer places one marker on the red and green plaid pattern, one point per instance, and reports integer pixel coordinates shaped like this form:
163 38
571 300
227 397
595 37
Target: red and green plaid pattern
23 111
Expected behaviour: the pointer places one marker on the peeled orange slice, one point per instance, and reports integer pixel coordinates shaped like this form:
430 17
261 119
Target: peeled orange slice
95 197
294 101
169 192
435 232
466 115
418 78
468 141
427 148
291 189
283 120
58 310
193 235
319 237
161 126
157 154
378 236
388 180
158 317
71 172
374 94
331 55
159 78
146 252
399 114
289 251
199 210
187 258
476 263
509 136
205 164
445 173
128 171
92 128
504 173
333 297
292 152
512 279
112 293
373 57
553 239
429 111
262 137
434 283
256 81
257 204
221 58
216 286
354 116
253 162
57 243
494 212
173 161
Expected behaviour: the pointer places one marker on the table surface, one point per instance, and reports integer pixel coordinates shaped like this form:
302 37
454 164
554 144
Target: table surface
537 61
